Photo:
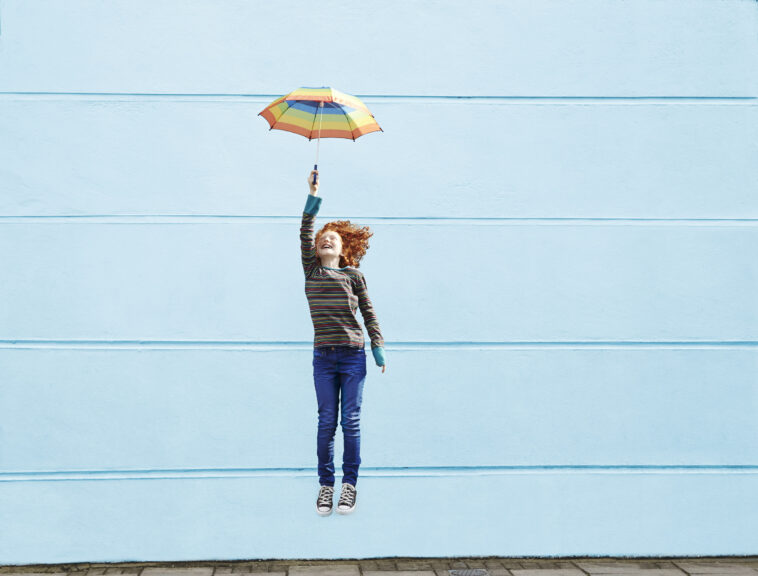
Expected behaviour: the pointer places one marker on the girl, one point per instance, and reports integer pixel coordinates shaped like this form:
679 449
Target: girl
335 289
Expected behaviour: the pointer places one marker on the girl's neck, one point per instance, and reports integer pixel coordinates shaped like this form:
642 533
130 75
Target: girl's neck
330 261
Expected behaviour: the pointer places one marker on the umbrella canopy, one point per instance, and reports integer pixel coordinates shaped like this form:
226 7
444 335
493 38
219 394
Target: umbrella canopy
320 113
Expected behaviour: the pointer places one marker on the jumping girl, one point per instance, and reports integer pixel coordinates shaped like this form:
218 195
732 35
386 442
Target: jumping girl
335 289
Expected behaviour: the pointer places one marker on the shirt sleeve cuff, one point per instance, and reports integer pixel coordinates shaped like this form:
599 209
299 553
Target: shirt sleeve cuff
312 204
378 353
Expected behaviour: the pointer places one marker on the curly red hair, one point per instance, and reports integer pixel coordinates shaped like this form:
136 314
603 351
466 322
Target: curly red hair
354 241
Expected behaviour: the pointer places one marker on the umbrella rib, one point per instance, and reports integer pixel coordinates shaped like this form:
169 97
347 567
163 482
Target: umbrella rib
314 123
282 114
286 109
348 124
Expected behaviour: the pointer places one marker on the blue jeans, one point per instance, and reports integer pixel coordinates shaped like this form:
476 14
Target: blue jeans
339 369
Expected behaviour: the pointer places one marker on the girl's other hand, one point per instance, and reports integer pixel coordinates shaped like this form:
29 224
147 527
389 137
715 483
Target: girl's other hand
383 367
311 185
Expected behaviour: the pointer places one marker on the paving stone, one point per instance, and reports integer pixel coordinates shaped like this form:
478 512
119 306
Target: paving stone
401 573
474 564
743 572
653 572
498 572
730 573
715 568
190 571
411 566
34 573
325 570
627 568
549 572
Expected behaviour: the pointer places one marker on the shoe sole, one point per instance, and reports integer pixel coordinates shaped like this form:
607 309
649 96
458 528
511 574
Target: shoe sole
320 513
348 510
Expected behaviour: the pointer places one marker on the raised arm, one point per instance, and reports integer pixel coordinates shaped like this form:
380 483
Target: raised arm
307 247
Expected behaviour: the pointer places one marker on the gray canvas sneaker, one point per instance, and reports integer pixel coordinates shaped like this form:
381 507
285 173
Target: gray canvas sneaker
347 499
325 500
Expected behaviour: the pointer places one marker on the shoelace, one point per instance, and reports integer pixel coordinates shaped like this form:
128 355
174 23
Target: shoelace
347 498
325 496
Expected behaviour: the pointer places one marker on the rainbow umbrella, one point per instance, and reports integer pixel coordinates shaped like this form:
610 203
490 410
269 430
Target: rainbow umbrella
320 113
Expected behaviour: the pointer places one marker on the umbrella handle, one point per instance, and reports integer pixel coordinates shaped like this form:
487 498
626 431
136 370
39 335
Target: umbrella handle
315 167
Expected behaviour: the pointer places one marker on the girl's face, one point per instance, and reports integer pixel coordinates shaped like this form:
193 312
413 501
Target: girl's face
330 244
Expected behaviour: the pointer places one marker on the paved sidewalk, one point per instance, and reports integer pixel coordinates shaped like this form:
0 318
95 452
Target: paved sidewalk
491 566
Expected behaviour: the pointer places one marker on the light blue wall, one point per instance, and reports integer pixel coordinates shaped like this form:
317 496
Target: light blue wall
564 269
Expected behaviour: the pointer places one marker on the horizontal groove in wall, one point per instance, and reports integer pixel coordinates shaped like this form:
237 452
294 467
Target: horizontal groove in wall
376 98
394 346
422 471
399 220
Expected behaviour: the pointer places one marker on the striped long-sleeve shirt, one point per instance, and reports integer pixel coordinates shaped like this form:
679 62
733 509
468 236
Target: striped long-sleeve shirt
335 295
